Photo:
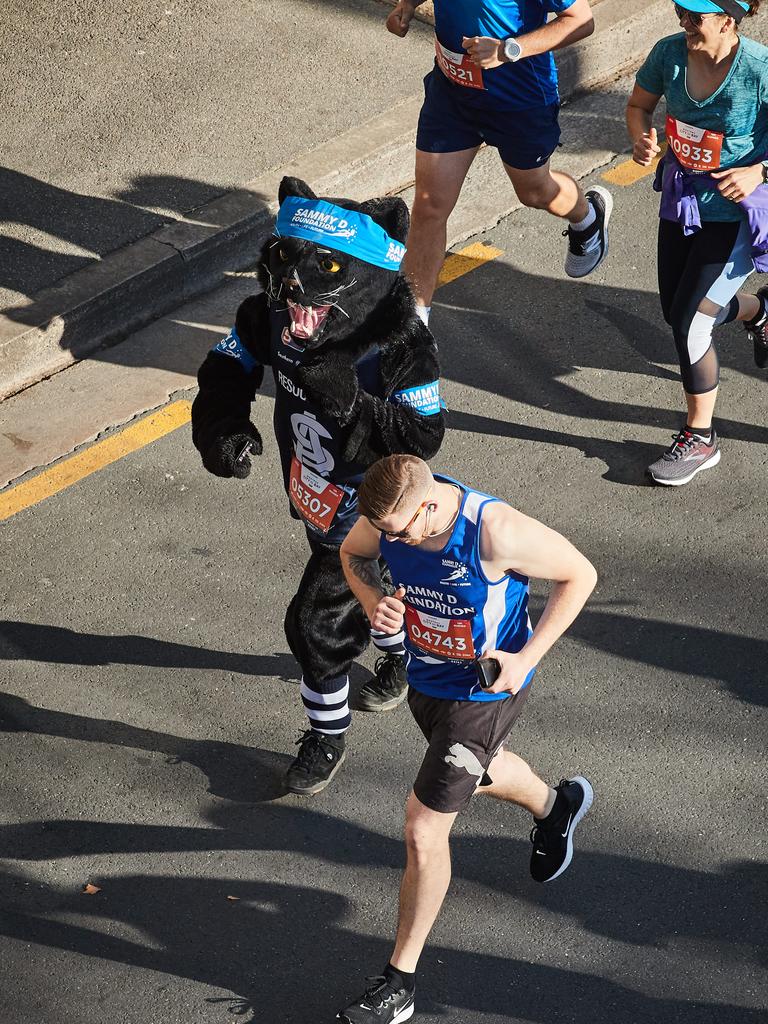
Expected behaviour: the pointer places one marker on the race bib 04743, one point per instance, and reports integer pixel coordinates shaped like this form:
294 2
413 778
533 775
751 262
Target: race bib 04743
450 639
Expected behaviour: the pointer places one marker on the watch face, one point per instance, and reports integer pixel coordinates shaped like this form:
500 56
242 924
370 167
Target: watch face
512 49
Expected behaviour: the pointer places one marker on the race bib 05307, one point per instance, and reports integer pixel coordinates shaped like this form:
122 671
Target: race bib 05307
458 67
314 498
698 149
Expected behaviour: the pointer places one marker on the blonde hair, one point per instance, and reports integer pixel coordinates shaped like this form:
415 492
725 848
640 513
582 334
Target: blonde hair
391 482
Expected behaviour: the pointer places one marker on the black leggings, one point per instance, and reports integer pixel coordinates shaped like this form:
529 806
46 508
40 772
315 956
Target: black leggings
688 267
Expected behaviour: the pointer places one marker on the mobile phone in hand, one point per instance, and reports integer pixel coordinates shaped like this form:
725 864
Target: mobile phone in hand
488 671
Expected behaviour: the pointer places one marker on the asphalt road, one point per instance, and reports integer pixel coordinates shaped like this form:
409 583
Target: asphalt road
149 705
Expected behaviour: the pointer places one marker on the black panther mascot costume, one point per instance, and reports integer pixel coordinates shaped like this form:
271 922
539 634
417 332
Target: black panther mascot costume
356 378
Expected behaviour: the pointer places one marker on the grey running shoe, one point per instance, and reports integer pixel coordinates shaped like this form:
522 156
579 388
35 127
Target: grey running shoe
388 687
759 335
688 455
588 248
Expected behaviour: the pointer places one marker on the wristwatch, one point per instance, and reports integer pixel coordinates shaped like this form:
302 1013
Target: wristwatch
765 172
512 50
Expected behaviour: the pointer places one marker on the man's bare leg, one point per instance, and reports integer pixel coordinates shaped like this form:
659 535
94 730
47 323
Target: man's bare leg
544 189
439 178
516 782
425 881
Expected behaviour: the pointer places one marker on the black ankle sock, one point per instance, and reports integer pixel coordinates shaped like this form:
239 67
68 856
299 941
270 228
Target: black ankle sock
400 979
558 808
700 432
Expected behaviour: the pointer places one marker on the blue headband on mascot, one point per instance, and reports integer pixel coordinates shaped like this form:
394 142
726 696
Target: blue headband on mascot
354 233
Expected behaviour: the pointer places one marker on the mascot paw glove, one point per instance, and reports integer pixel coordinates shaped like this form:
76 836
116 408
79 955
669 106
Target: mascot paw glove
221 457
333 386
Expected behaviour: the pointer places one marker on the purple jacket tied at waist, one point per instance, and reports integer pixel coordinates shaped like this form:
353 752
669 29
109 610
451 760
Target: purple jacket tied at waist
679 203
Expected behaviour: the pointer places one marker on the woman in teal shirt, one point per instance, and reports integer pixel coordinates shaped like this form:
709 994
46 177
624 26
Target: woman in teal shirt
716 87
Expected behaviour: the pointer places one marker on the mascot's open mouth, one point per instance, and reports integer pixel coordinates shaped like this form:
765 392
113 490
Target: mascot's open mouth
306 320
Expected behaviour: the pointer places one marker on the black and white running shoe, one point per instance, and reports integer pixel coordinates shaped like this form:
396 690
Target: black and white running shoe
552 837
588 248
382 1003
759 335
388 687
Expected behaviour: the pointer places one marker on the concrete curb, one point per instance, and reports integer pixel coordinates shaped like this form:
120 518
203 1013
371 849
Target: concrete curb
101 304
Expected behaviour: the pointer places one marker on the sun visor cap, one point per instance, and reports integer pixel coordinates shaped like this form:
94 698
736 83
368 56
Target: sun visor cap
708 7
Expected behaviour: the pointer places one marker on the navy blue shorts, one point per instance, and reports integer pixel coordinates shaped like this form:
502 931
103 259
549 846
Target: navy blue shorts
524 138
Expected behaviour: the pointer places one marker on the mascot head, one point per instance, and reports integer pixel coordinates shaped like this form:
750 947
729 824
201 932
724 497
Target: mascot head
335 263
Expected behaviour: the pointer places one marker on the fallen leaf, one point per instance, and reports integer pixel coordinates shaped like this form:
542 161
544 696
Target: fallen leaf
90 890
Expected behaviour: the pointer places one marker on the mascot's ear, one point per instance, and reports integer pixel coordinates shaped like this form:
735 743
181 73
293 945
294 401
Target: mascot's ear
392 213
294 187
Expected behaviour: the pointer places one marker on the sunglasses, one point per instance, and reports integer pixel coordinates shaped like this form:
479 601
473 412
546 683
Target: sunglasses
694 18
400 534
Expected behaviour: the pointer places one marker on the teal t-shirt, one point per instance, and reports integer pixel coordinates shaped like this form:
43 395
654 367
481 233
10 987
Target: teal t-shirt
738 109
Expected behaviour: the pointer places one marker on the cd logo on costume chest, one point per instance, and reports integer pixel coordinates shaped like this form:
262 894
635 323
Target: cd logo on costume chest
309 450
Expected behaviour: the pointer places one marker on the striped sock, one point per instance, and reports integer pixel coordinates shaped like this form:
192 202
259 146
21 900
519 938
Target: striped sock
326 705
389 644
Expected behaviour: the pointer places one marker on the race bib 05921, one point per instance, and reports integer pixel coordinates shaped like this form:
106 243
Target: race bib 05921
458 67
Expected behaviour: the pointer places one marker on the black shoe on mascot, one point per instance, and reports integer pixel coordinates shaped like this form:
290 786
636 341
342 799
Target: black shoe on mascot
356 378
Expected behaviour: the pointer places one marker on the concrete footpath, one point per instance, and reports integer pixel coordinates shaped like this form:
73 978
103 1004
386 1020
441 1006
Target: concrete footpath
145 145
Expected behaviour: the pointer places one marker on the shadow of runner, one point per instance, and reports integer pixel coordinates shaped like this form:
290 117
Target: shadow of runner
29 641
261 947
234 772
613 895
532 350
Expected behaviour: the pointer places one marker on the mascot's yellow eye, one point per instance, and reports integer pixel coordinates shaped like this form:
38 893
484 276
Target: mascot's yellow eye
282 255
330 265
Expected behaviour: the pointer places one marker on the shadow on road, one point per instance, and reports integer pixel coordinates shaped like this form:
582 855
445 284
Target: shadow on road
242 946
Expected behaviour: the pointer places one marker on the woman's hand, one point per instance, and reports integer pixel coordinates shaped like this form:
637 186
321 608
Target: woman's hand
738 182
646 148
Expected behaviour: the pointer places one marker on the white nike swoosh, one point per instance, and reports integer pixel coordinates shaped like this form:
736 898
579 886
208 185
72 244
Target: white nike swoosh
565 834
541 853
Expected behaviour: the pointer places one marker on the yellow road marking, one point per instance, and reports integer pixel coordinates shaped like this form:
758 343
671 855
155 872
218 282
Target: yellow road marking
469 258
173 416
78 466
629 172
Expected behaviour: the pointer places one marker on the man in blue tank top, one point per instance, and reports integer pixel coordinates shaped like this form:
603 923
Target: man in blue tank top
460 560
494 81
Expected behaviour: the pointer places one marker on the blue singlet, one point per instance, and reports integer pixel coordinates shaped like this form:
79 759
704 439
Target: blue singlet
454 609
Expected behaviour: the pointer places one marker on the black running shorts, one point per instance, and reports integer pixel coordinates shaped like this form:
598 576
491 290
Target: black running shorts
463 737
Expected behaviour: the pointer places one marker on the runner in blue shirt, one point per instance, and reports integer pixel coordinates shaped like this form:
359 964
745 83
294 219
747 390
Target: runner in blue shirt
495 82
715 82
461 561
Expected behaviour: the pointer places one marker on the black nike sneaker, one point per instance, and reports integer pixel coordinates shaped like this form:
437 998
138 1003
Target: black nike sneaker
758 335
552 837
382 1003
388 687
318 760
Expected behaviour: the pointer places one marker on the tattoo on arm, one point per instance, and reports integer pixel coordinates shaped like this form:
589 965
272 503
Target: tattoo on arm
367 571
